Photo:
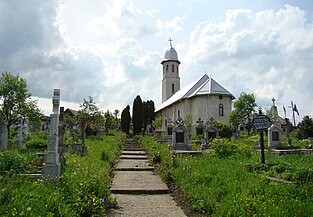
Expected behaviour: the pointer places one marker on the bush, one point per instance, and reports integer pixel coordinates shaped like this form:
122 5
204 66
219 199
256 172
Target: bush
37 140
225 130
223 148
11 161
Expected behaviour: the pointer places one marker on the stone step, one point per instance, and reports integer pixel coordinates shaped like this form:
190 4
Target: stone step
145 205
133 153
134 157
133 149
135 169
138 182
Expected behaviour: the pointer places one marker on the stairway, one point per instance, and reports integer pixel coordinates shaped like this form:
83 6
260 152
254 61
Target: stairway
138 190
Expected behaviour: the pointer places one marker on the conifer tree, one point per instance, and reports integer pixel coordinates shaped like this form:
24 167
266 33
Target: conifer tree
137 115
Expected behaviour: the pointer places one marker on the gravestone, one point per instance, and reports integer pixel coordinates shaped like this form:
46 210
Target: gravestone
149 130
275 130
4 135
61 147
52 167
204 145
18 137
200 127
170 126
180 137
211 131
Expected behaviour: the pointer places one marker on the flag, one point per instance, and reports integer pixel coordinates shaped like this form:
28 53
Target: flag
284 110
295 108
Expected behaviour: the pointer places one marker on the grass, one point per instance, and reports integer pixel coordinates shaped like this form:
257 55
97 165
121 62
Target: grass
83 189
219 183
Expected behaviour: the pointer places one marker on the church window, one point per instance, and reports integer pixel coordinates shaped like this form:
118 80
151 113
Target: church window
221 110
172 68
220 97
173 89
166 68
178 113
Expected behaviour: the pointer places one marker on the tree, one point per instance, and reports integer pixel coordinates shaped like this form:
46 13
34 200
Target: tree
108 121
243 111
15 101
137 115
125 119
147 113
90 117
305 128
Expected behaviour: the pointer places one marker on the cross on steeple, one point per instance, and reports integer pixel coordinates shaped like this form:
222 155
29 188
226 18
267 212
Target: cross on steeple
273 100
170 40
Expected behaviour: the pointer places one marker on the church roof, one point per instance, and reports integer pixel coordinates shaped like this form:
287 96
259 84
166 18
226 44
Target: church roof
170 54
203 86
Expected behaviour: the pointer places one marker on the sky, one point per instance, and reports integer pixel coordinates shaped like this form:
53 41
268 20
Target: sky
112 50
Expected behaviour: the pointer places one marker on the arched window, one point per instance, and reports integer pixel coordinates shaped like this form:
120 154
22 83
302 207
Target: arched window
178 113
172 67
166 68
221 110
173 89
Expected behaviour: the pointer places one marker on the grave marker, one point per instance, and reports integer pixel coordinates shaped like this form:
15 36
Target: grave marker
52 167
260 123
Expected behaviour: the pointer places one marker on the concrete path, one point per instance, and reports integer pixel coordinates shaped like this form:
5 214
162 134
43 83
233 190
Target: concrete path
138 190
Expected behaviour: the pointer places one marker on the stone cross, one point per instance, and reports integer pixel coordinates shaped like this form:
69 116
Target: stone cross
273 100
52 167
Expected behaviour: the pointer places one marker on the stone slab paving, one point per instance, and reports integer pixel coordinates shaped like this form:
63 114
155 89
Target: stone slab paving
133 165
134 157
138 182
139 191
133 152
146 205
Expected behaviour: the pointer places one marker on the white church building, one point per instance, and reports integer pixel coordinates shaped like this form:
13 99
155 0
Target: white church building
203 98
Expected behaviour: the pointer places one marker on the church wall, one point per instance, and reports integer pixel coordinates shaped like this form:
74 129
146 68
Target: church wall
205 107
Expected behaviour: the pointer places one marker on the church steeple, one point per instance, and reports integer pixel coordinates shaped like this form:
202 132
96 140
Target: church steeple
171 80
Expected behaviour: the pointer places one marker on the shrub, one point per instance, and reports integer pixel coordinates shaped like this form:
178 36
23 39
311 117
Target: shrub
37 140
225 130
223 148
11 161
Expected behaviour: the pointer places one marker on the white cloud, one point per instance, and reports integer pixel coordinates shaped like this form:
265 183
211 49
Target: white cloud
171 27
266 53
112 50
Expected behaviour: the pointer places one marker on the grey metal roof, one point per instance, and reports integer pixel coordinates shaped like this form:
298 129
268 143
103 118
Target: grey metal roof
203 86
170 54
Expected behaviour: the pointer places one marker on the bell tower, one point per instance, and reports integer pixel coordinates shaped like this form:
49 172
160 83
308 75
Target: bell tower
171 80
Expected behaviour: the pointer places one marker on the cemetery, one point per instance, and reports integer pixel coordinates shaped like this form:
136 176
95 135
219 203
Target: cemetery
154 162
204 167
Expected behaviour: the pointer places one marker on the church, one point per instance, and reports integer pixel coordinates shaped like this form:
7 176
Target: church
204 98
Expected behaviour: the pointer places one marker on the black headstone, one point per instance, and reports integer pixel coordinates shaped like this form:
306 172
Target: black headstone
275 136
179 137
211 135
169 131
199 131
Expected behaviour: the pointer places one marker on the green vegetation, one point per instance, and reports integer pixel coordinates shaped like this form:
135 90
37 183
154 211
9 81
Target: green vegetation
137 115
230 181
125 120
83 189
305 128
